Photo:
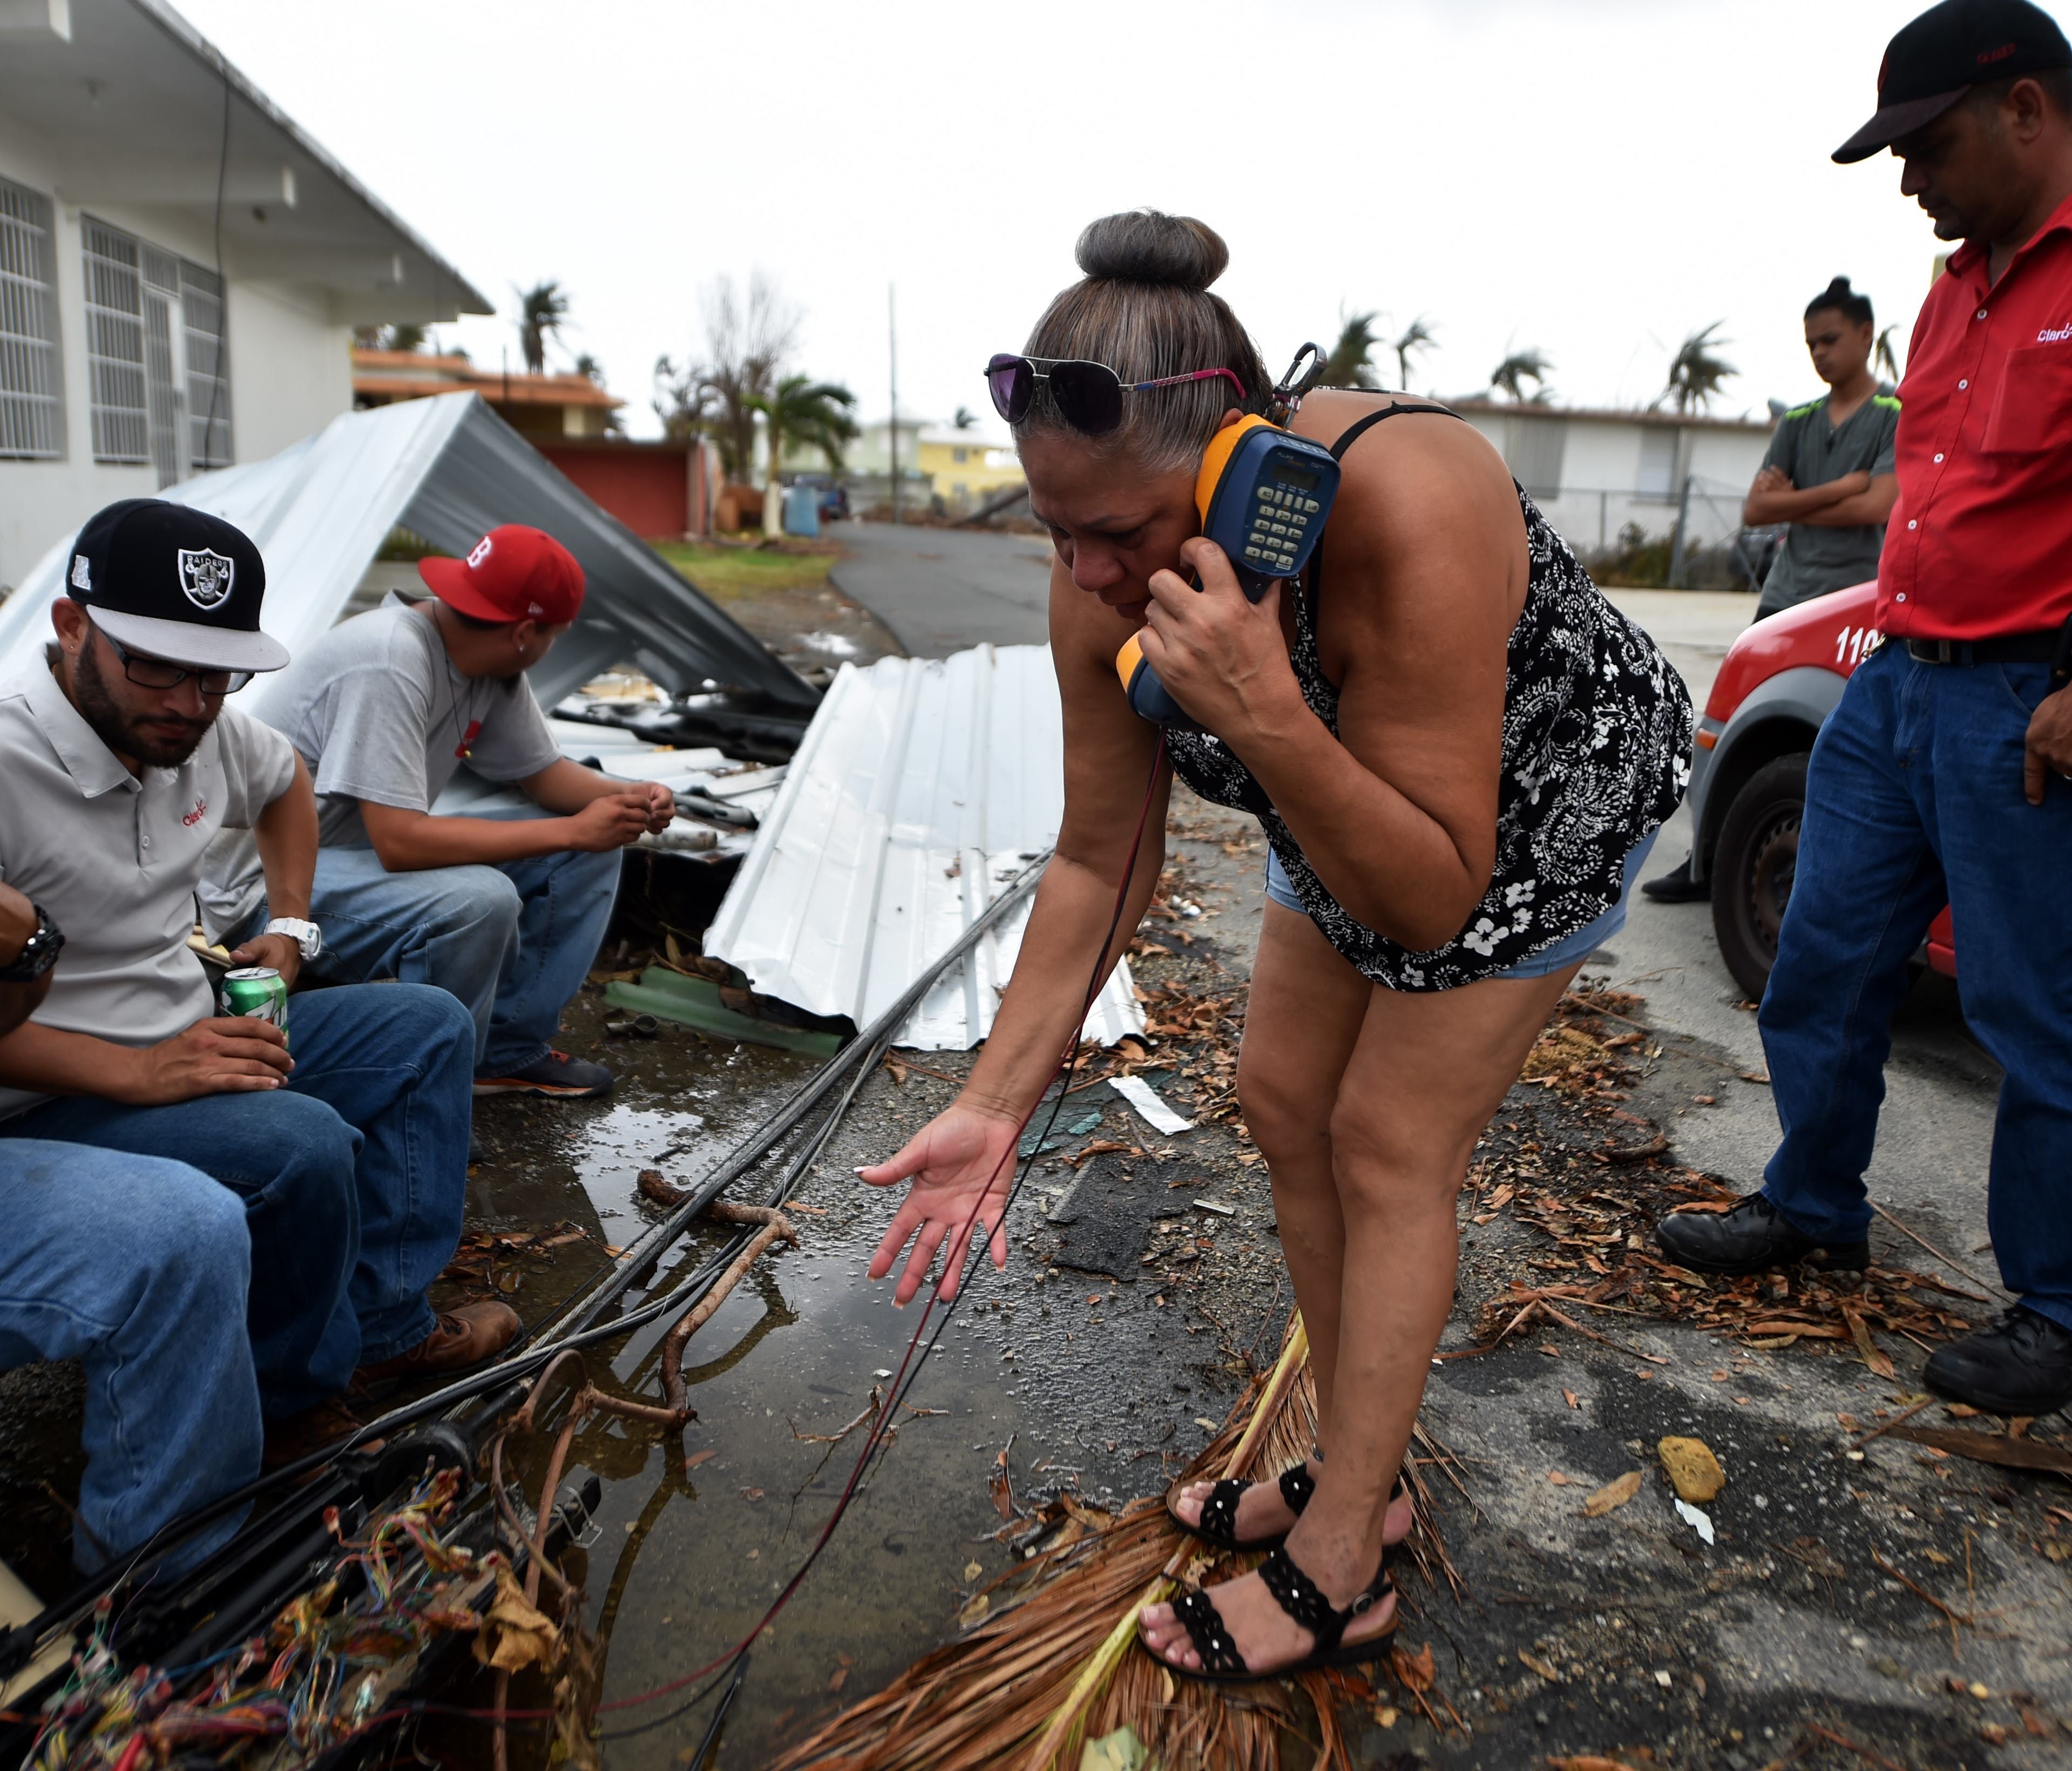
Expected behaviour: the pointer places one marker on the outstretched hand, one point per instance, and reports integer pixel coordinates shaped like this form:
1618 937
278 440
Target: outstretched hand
961 1158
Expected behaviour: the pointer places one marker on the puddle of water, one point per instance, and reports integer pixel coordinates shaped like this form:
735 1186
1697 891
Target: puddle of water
685 1564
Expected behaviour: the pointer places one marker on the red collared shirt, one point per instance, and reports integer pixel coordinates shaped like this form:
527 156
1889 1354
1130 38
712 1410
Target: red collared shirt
1979 543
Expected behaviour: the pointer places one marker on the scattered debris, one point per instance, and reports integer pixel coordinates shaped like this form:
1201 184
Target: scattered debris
1699 1522
1141 1096
1611 1497
1692 1469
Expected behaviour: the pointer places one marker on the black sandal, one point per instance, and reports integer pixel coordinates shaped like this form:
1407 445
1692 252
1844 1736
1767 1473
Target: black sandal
1218 1524
1303 1600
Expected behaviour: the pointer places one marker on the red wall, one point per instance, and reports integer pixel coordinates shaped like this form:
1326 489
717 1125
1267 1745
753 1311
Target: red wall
650 487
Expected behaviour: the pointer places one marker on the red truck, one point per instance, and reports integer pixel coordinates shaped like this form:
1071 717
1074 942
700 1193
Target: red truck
1776 685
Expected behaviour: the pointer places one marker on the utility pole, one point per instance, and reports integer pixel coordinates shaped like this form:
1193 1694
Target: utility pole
1678 544
892 427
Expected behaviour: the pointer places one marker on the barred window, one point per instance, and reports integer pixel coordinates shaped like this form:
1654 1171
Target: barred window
208 367
157 349
31 390
115 345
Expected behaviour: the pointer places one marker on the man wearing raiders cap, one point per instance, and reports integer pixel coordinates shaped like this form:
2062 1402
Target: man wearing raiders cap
1941 776
119 762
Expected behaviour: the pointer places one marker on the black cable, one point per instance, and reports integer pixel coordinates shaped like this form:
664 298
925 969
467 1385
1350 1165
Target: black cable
221 378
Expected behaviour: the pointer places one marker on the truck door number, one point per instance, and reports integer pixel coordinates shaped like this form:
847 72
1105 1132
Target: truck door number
1853 645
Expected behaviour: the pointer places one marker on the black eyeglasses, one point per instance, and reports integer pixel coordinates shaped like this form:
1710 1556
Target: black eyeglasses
1088 395
149 673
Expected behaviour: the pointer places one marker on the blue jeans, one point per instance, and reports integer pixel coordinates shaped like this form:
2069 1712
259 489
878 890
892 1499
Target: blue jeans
137 1266
353 1177
1569 950
1913 797
514 941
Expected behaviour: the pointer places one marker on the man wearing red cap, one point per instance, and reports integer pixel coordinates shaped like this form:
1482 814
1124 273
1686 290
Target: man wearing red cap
507 913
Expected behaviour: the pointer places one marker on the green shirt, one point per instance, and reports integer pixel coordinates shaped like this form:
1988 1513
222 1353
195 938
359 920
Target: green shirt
1814 560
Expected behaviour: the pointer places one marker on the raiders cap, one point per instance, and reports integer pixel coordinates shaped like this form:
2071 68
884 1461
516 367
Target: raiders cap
174 582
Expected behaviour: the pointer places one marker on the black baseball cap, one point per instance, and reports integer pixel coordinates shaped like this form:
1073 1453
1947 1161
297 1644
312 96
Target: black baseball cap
176 583
1941 56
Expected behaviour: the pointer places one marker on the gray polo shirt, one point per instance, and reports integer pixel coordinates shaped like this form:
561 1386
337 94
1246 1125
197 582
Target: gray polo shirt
1813 560
115 860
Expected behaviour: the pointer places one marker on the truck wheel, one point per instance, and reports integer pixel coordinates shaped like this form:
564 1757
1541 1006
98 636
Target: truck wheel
1752 867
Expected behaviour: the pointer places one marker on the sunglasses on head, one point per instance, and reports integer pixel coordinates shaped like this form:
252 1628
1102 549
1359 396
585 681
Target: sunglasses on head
1088 395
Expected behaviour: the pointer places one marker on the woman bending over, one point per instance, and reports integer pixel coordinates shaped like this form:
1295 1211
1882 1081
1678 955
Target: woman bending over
1460 752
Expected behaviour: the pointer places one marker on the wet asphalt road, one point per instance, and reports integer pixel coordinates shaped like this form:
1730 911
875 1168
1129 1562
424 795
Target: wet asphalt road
941 589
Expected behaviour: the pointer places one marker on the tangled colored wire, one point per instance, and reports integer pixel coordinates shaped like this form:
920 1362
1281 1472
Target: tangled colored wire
321 1671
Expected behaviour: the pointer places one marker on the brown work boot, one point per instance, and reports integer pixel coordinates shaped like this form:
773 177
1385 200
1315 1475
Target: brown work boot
293 1437
464 1336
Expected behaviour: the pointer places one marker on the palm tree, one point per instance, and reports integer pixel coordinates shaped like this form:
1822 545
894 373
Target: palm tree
541 309
801 413
1695 372
963 418
1352 361
589 369
1885 356
1416 336
1519 367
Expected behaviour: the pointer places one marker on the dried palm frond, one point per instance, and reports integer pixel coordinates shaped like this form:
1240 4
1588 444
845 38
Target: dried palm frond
1052 1666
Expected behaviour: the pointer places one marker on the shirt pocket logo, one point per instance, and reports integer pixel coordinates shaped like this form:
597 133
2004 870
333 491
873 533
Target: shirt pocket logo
2035 402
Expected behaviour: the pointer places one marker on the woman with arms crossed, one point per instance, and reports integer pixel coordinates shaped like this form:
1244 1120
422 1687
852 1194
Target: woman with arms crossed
1460 752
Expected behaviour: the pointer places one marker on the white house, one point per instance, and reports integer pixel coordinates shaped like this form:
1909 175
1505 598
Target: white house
1594 471
180 267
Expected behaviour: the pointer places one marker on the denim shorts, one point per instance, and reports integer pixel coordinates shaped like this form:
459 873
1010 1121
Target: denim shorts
1564 954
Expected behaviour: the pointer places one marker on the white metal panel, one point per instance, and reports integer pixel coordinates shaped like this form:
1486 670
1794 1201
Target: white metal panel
449 469
922 787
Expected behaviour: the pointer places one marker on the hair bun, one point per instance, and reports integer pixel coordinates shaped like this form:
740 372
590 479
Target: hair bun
1839 287
1145 246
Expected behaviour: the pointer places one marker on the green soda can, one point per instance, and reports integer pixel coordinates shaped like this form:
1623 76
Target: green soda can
257 993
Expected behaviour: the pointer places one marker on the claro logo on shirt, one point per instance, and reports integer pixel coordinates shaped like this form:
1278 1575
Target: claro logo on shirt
200 811
2054 335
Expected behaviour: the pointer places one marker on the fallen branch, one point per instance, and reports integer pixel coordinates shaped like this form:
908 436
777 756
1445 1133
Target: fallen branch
1847 1744
1879 1432
870 1409
1603 1339
776 1227
2016 1454
1922 1592
1954 1265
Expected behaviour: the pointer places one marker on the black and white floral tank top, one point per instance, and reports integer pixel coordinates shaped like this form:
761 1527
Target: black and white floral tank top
1596 753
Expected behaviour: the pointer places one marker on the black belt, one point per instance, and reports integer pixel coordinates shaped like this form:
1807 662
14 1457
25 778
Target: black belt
2005 649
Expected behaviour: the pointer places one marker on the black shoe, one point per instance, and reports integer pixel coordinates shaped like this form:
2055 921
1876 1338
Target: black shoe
2021 1365
1677 886
1752 1237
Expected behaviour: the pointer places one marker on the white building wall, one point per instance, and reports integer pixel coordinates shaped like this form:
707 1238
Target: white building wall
290 370
1601 476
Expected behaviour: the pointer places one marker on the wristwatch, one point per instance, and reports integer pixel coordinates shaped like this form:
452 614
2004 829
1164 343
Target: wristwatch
305 935
38 952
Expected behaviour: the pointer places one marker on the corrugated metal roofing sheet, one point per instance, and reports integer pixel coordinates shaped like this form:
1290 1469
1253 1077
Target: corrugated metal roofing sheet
923 786
449 469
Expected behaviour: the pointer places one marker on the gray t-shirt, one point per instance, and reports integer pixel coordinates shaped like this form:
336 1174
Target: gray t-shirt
379 713
1814 561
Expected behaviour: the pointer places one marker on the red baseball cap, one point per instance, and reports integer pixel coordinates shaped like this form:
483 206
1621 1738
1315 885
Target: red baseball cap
513 573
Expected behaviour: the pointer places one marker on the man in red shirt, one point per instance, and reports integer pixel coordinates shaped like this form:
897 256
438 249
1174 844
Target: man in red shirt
1943 775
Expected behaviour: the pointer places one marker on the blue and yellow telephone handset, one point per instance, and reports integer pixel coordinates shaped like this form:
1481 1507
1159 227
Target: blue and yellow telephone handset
1264 495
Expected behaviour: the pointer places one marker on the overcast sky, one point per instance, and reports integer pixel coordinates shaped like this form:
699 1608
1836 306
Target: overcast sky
1592 178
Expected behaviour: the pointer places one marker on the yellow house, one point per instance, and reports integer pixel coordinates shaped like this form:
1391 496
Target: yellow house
965 467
